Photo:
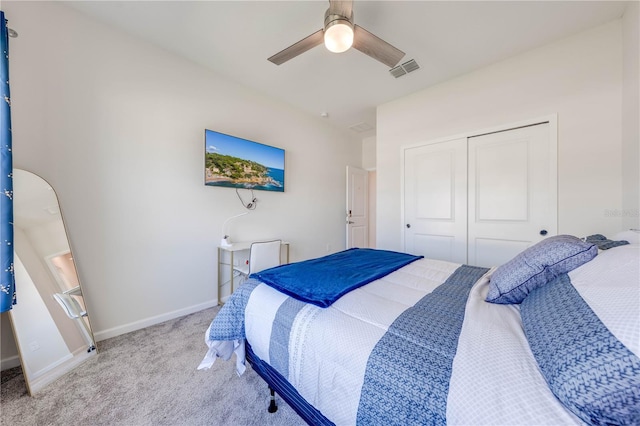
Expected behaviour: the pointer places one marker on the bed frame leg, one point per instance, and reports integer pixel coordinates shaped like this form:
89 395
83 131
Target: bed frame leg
272 401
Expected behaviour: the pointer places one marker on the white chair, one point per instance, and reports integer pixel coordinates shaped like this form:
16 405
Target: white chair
74 311
262 255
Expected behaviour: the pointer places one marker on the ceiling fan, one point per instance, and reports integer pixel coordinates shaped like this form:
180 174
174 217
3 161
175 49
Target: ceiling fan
339 34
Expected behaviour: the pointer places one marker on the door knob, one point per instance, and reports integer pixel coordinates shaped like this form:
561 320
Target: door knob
349 222
543 232
408 225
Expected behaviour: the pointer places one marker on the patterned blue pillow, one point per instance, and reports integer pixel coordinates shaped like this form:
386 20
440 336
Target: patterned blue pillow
536 266
603 242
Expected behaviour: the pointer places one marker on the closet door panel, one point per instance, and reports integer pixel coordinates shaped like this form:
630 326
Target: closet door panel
435 210
511 193
502 184
487 250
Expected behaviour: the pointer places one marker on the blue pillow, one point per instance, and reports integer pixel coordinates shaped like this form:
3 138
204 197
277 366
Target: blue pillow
603 242
536 266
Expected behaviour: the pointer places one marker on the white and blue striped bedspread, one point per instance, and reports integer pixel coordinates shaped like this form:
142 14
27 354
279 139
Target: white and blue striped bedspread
418 346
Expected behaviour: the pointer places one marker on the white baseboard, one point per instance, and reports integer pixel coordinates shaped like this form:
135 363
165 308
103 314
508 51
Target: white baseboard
147 322
10 362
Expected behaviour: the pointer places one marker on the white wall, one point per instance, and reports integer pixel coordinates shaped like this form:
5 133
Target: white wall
579 78
369 163
116 126
631 117
369 153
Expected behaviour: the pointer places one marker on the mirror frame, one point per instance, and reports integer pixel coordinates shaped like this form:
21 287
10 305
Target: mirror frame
44 354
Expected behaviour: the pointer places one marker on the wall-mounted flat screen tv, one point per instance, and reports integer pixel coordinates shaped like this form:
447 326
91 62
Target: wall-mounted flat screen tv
234 162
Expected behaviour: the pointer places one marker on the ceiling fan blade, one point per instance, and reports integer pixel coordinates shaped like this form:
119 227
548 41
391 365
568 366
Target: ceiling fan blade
300 47
341 7
377 48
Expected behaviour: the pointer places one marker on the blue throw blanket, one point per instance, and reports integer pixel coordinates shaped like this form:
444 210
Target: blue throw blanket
324 280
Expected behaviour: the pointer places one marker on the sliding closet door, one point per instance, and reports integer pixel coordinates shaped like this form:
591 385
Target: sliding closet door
435 205
512 193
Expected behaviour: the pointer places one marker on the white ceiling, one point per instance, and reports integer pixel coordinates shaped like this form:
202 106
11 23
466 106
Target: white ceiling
446 38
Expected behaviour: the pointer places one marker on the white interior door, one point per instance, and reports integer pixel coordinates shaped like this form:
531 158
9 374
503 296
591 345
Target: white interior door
435 200
357 207
512 193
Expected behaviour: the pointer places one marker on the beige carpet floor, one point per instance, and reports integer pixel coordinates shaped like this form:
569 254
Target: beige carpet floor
147 377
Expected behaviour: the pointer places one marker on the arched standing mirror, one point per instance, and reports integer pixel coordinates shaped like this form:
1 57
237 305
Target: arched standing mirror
50 323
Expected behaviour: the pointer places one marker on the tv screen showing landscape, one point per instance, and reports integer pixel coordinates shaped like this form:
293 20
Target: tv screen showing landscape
240 163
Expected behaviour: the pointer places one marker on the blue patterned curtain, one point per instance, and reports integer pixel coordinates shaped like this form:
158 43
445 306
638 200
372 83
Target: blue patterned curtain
7 282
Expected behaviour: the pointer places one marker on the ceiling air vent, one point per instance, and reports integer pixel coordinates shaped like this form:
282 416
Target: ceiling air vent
397 71
404 68
410 66
361 127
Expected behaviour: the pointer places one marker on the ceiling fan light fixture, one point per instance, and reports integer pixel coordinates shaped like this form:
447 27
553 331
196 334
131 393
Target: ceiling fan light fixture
338 35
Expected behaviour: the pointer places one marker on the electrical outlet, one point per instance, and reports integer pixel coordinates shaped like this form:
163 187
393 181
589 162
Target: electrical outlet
34 346
328 248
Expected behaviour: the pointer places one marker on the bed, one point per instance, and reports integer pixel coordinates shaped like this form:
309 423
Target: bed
551 337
